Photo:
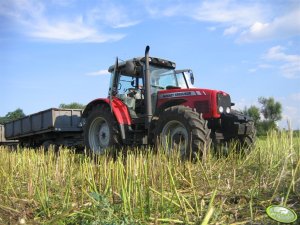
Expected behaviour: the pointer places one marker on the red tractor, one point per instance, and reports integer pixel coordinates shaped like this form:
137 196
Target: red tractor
150 101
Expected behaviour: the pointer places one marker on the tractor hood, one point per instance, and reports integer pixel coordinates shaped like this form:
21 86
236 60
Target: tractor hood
211 103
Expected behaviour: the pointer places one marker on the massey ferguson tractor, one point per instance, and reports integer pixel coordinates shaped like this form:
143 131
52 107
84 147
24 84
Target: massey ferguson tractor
150 102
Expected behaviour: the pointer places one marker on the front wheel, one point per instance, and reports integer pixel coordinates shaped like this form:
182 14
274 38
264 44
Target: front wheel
241 144
247 141
100 131
181 128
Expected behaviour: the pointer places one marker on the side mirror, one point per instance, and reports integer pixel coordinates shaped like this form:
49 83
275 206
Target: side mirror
192 77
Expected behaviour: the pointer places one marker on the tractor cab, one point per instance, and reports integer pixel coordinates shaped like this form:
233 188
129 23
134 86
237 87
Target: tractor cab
128 82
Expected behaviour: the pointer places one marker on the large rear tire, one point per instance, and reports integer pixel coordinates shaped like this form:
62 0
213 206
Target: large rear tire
101 130
181 128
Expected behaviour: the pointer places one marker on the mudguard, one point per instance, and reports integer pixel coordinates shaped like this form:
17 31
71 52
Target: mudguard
118 107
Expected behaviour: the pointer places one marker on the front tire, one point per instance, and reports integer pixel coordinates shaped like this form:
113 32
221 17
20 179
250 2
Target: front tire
247 141
181 128
101 130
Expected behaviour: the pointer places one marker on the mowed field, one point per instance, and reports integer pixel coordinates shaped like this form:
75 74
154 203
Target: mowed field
143 187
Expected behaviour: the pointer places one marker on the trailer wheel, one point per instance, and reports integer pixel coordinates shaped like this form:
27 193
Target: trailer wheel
47 145
101 130
181 128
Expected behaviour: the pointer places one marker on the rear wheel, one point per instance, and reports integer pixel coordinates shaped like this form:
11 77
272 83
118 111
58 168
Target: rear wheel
181 128
101 130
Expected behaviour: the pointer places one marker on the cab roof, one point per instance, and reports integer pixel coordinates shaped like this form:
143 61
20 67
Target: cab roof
139 61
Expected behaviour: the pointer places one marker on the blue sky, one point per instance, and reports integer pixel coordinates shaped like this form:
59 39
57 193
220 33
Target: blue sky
54 52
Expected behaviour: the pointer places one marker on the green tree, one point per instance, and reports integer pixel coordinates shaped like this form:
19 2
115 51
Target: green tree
264 126
270 109
253 112
72 105
10 116
3 120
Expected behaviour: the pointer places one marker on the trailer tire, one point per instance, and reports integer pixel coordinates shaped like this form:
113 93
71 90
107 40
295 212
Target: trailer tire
182 128
101 131
48 145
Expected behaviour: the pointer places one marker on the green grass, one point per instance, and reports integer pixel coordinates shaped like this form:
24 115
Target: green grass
38 187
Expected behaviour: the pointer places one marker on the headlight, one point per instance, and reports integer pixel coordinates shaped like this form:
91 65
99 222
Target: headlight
221 109
227 110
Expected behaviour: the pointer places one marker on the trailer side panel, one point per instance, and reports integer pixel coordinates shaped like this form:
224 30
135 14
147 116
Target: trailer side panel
50 120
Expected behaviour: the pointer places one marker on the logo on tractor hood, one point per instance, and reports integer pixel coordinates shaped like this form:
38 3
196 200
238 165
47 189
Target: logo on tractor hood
181 94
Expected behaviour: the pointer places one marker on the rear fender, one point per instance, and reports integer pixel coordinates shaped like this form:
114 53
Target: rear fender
119 109
120 112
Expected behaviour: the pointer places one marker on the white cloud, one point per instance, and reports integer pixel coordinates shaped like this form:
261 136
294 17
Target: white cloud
265 66
284 26
277 59
277 53
291 111
70 31
230 31
98 73
296 96
21 9
126 24
247 20
228 12
252 70
289 64
260 67
250 22
36 22
258 27
211 28
290 114
115 16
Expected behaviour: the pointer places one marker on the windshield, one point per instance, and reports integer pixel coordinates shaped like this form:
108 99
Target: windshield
163 78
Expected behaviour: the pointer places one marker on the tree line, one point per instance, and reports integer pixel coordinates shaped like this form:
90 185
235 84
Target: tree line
266 117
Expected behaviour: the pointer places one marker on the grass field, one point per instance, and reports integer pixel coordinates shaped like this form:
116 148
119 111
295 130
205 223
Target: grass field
38 187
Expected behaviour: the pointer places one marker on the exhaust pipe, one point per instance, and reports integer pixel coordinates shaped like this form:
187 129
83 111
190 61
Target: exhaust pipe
148 89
